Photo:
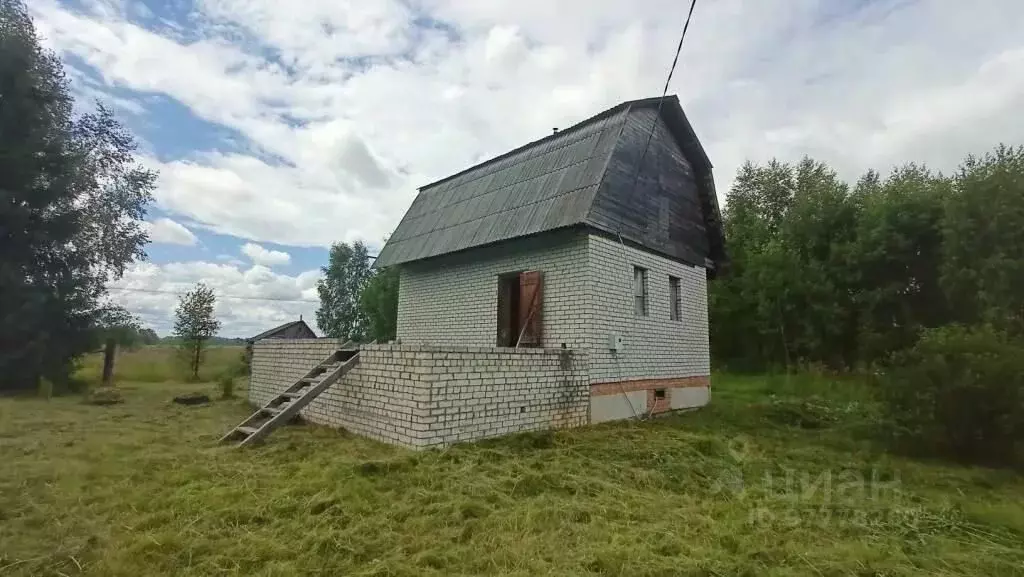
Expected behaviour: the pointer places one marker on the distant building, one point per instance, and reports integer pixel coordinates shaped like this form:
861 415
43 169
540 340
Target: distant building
290 330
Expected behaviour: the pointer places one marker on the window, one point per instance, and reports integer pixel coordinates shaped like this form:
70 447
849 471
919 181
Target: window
639 291
675 299
659 393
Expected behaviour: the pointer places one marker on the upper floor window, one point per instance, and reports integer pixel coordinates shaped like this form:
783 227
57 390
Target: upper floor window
675 299
639 291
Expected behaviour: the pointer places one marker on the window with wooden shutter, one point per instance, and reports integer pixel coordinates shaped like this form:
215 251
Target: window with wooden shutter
531 300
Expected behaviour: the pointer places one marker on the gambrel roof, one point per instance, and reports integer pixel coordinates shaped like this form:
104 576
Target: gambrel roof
586 175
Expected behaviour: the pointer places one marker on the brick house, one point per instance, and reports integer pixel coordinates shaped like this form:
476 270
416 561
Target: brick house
560 284
581 240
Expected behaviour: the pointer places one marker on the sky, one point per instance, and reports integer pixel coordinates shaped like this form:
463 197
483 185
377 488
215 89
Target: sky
279 128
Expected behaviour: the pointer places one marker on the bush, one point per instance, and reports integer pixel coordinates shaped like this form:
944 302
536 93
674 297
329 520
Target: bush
958 393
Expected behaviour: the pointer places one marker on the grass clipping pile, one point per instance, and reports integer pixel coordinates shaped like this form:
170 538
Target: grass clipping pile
104 396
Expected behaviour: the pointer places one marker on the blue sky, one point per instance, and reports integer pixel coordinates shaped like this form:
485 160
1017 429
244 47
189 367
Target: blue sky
279 128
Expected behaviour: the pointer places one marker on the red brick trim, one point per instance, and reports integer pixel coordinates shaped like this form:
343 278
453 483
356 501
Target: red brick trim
649 385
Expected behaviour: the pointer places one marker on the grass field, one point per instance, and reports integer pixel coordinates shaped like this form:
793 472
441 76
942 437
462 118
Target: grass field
158 364
738 488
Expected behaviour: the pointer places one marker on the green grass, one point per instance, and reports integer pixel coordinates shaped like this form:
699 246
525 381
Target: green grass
158 364
142 489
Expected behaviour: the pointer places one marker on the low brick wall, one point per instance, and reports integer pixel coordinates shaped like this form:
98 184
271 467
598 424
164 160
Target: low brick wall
425 396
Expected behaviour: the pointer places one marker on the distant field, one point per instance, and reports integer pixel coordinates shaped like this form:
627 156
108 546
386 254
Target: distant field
158 364
777 478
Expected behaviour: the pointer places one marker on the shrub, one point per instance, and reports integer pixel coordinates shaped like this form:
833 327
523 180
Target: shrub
958 393
226 382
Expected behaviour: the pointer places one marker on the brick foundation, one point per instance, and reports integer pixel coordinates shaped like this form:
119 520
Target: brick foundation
423 396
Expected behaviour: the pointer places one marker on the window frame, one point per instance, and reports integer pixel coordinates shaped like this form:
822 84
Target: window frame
641 296
675 298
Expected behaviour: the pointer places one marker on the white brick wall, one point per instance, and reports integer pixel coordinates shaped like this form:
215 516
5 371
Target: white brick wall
420 396
656 347
453 300
587 296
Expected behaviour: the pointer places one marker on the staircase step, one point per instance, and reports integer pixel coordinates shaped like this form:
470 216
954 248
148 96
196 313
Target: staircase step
266 419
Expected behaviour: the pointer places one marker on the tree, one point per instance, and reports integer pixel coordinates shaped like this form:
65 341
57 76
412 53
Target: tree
194 324
983 241
346 274
897 258
379 303
118 327
148 336
72 199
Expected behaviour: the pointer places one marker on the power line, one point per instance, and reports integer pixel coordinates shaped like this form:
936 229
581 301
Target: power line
664 93
221 296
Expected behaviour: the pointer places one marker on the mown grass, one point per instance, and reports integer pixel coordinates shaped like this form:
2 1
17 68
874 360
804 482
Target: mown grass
158 364
736 489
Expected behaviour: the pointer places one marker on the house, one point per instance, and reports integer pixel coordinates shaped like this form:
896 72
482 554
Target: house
560 284
590 239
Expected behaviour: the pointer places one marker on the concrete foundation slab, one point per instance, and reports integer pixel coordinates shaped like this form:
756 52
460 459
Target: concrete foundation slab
617 406
689 397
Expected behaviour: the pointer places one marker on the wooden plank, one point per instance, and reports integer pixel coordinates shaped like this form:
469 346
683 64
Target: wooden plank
531 300
288 412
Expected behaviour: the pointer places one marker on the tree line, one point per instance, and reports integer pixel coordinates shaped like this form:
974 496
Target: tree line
824 273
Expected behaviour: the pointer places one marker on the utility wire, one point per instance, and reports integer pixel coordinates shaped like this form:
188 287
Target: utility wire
220 296
632 192
664 93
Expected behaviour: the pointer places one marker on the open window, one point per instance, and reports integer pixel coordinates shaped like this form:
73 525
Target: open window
520 300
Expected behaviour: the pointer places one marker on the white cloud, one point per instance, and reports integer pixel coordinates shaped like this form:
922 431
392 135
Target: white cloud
365 101
167 231
249 301
345 107
264 257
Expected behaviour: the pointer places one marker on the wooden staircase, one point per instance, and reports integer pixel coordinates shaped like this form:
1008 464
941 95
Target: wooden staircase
286 406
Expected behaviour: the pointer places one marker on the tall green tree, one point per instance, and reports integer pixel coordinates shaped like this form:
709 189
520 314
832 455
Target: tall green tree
379 302
348 271
983 240
194 324
897 259
786 299
72 199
